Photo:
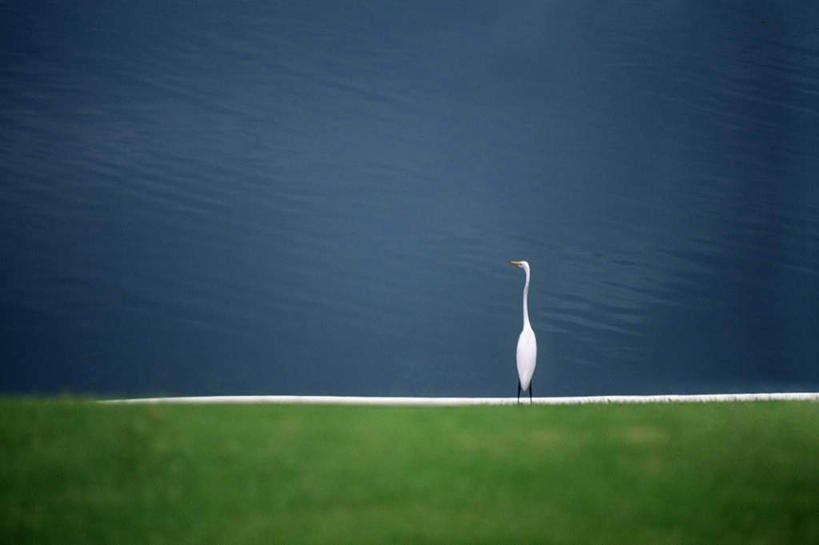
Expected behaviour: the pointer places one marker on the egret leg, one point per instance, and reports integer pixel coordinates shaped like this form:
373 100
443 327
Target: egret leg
518 391
530 393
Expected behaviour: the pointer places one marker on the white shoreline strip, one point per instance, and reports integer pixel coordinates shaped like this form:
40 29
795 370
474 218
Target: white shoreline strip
461 401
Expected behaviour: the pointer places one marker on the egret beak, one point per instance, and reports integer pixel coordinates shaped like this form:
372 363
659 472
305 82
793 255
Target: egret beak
515 263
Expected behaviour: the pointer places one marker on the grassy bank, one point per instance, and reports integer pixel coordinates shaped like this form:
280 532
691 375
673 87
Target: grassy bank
73 472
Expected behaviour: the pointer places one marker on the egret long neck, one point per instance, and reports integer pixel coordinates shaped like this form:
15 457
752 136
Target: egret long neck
526 302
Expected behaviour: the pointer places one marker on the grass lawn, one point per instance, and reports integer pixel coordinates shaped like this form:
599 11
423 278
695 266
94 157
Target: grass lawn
79 472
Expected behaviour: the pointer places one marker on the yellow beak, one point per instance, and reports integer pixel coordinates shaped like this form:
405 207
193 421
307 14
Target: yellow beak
515 263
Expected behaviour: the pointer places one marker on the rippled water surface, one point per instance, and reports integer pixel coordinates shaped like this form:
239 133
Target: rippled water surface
322 198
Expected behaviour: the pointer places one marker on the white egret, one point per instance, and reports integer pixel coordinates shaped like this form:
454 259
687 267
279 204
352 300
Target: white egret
527 344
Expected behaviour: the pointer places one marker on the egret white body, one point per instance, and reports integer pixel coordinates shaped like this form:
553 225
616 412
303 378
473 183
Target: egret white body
527 344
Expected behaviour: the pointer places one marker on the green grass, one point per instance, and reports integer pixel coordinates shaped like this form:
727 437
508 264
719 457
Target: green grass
78 472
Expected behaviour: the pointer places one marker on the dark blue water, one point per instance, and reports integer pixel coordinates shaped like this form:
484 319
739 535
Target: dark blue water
322 197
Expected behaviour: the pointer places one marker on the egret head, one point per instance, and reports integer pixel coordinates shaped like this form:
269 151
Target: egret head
522 264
